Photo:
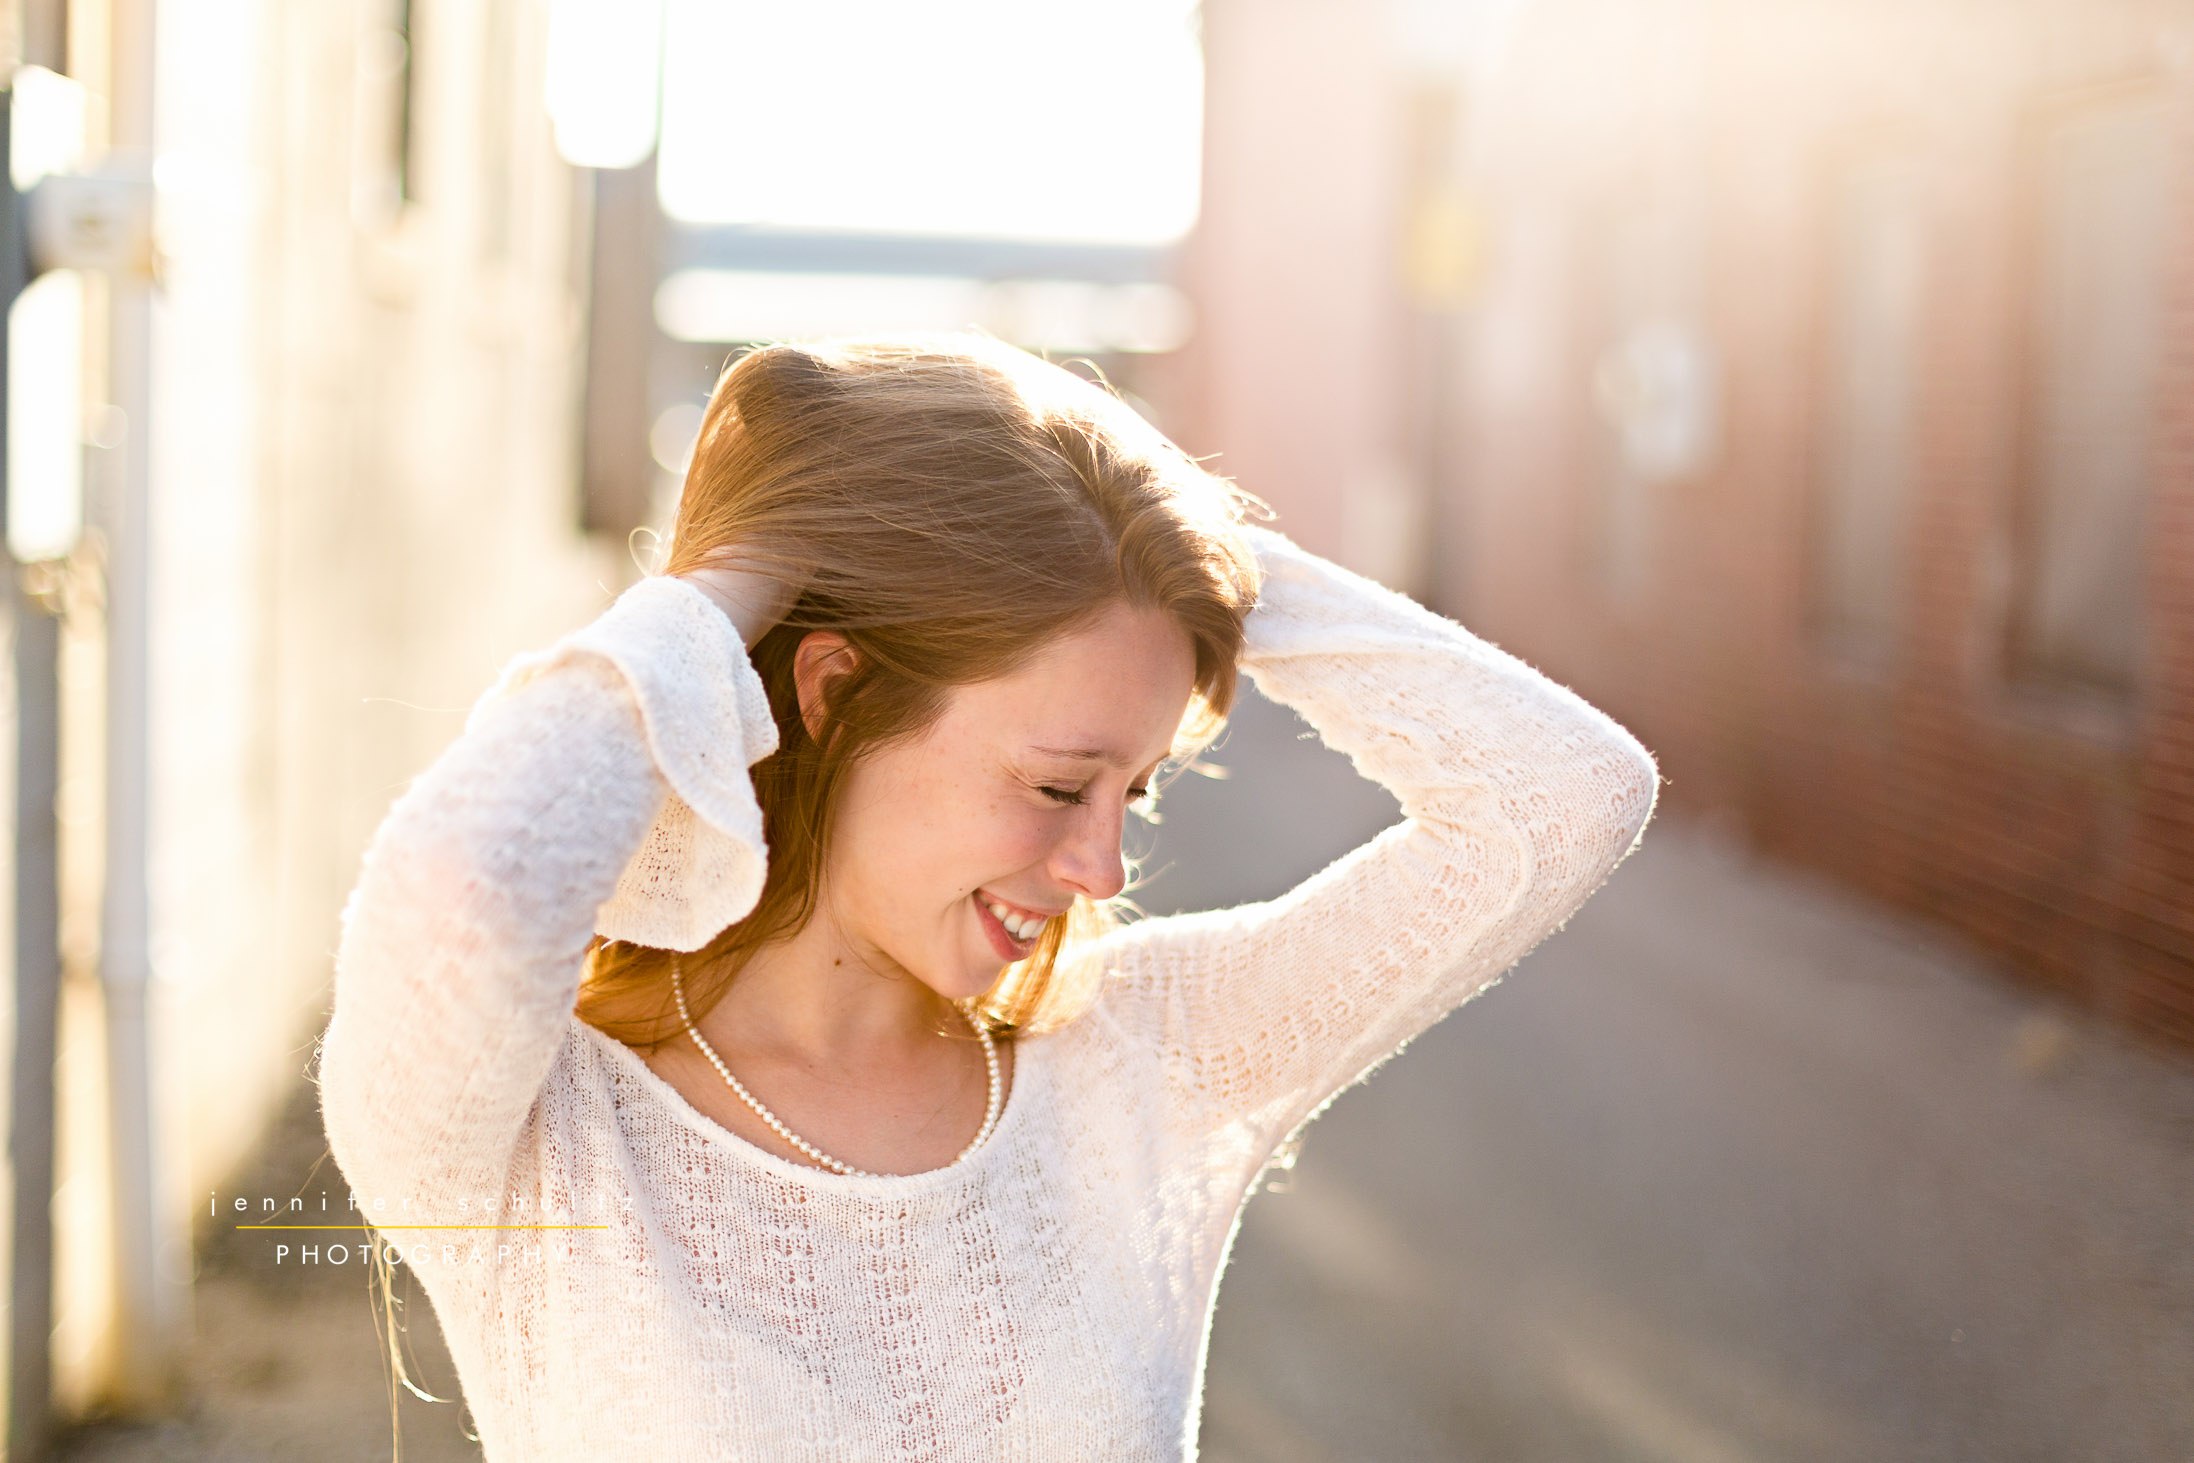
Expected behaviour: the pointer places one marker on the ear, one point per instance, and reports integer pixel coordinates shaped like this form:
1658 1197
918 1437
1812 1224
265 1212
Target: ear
823 656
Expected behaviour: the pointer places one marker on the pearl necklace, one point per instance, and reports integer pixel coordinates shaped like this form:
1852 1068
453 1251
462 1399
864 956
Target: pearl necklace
982 1032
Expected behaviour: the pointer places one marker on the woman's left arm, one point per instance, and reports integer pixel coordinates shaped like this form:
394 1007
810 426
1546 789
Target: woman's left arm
1519 798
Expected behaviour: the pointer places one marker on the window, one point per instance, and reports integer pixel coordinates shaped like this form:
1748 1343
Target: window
989 118
1655 387
1870 321
2102 176
384 140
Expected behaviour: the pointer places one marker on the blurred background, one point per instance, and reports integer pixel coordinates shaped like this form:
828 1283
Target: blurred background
1808 383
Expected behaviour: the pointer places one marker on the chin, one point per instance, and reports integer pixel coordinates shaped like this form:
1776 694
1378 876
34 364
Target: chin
964 987
950 975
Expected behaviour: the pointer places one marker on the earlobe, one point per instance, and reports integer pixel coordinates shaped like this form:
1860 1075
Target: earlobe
823 656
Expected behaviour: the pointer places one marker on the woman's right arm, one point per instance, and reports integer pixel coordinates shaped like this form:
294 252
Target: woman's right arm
1518 797
465 938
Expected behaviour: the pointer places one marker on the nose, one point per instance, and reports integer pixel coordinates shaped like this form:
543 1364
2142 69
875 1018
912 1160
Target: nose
1088 859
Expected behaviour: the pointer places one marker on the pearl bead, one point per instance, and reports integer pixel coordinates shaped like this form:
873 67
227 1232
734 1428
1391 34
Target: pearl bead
982 1134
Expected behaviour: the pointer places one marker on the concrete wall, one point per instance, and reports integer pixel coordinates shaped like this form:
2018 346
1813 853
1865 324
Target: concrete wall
366 484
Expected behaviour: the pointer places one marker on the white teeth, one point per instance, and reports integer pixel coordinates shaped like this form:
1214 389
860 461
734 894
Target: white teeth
1017 926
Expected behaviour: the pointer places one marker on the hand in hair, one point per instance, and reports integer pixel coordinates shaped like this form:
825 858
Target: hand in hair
751 595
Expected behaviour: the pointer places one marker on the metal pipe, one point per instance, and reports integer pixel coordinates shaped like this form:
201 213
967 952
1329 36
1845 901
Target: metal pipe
150 1306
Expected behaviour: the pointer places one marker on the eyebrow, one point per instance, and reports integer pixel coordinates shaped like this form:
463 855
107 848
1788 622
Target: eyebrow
1084 754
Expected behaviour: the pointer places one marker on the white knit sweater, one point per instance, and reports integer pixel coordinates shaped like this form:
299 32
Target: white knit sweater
1047 1298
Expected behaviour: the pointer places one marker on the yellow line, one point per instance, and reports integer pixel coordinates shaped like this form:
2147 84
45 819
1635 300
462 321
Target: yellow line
422 1226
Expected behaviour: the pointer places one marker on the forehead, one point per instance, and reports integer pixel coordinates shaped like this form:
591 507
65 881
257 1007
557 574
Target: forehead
1113 690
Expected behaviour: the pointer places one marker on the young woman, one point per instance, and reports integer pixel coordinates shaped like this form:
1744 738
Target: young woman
751 949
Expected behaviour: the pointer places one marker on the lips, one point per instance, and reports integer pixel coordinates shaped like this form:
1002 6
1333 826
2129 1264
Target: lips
1004 938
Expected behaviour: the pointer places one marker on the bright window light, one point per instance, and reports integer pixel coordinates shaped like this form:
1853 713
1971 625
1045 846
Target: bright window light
1036 119
46 417
604 69
47 124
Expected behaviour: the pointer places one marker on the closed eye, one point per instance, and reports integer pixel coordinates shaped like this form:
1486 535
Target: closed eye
1075 796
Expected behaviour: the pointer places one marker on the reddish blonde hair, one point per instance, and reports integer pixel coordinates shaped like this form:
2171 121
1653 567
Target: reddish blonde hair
948 504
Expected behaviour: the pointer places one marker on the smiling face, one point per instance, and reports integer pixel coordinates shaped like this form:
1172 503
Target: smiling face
1012 800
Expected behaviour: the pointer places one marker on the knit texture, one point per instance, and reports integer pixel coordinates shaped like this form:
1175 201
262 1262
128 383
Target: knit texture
1049 1297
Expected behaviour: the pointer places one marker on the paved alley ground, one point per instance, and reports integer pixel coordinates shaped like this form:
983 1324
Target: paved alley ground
1735 1167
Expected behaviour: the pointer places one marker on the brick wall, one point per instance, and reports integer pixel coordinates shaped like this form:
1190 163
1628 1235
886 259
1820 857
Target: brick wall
2054 826
1704 137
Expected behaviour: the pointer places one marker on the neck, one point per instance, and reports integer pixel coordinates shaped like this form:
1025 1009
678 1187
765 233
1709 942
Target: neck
824 996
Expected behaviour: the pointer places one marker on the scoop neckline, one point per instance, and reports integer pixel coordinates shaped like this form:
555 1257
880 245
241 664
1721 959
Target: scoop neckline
685 1112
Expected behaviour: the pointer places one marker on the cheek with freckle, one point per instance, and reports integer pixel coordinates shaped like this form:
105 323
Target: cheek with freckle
921 828
1015 837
